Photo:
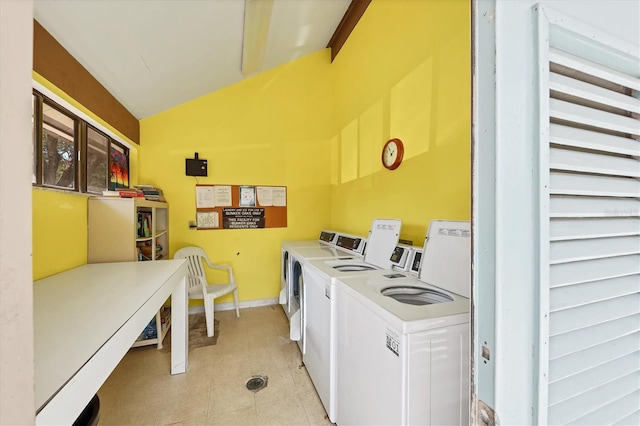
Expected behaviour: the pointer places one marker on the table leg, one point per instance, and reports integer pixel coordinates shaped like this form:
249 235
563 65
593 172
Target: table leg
179 328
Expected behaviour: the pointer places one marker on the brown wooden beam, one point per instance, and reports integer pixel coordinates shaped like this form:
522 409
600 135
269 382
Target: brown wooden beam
347 24
53 62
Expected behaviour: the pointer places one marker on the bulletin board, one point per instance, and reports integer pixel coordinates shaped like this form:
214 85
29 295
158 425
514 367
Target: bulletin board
240 206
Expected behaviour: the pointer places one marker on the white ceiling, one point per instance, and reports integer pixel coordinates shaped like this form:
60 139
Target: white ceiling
155 54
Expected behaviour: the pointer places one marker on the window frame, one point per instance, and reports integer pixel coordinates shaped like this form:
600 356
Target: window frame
84 155
81 141
39 144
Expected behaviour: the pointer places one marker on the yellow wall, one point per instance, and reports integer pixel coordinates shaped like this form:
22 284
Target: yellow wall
60 218
59 232
318 128
405 73
271 129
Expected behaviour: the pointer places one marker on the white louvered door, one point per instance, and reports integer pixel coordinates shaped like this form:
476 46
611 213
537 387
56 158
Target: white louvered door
589 348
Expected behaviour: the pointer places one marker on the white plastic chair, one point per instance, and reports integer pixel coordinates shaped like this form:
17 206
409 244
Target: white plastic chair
197 282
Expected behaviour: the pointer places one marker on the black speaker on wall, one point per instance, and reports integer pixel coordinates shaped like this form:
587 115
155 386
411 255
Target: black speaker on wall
195 166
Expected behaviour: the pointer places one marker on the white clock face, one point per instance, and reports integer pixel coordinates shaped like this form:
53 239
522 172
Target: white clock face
390 153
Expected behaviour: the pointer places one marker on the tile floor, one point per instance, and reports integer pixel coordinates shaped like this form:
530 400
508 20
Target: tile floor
140 391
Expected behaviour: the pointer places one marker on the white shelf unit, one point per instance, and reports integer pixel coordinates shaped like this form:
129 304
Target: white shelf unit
113 237
164 327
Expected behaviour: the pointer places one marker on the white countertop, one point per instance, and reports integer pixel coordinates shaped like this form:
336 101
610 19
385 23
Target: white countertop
77 312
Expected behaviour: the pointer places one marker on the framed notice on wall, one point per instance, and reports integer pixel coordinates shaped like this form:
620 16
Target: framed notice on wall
247 196
208 220
240 206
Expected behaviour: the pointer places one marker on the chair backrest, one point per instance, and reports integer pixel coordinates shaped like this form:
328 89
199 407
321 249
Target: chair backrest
194 256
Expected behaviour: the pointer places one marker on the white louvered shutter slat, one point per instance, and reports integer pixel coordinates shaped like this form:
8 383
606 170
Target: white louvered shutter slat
576 229
593 401
593 378
577 63
631 419
588 162
572 296
598 355
590 167
593 270
575 250
578 340
573 87
603 186
592 117
569 206
588 139
619 409
593 314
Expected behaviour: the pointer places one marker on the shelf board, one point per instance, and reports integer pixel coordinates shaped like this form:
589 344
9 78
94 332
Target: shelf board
163 332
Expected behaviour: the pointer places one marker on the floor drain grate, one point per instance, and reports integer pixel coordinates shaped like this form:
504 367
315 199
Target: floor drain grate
256 383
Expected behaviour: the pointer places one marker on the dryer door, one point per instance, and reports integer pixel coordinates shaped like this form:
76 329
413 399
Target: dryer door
303 314
295 325
284 278
295 301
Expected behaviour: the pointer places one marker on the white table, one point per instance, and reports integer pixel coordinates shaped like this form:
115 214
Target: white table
85 321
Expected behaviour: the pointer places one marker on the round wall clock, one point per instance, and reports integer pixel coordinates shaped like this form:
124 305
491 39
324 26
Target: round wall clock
392 154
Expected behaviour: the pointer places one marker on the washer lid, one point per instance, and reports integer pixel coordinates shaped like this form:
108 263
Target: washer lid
446 259
354 267
319 253
415 295
383 238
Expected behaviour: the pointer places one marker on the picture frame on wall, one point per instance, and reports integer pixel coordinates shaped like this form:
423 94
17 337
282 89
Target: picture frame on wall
247 196
118 168
207 220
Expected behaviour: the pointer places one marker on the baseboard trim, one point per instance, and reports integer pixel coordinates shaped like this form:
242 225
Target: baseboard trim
217 307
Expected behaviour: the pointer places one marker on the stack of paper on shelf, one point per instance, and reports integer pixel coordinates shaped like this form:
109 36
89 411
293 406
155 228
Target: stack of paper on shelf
124 193
151 193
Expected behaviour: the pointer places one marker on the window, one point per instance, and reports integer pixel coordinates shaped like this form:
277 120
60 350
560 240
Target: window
58 148
69 153
97 160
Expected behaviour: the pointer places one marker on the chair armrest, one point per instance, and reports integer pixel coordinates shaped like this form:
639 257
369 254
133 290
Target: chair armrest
217 266
227 268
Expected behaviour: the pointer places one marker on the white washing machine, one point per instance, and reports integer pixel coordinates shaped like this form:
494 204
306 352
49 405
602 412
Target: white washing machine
297 256
318 304
326 238
403 345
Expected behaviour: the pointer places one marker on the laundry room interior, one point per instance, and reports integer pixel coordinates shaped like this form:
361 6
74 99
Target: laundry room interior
319 212
316 126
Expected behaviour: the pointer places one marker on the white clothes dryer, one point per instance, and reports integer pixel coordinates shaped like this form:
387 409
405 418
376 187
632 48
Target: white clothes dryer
297 257
403 345
326 238
318 303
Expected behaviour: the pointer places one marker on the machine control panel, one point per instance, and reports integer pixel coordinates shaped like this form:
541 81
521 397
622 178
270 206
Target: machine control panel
415 261
399 256
406 258
352 243
327 236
